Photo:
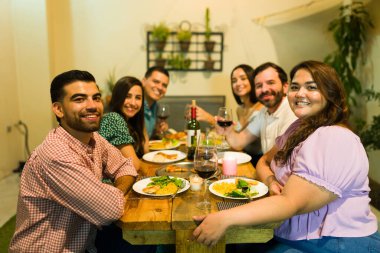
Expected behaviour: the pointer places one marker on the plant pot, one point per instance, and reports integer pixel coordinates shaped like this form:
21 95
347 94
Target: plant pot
160 62
209 65
160 45
184 46
209 46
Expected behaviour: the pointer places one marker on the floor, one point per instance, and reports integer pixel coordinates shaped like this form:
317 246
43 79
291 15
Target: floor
9 192
8 196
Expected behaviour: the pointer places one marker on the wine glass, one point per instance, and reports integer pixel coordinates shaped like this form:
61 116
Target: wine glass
163 112
205 164
224 120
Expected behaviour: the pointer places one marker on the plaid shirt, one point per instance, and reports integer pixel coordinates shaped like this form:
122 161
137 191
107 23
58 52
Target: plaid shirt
62 198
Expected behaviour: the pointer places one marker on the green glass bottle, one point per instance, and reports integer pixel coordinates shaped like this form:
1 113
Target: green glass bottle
193 132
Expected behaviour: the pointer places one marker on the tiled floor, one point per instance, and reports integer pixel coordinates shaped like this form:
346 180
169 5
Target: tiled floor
8 197
9 192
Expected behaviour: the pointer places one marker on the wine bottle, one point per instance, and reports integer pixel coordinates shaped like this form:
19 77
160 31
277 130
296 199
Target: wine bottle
193 132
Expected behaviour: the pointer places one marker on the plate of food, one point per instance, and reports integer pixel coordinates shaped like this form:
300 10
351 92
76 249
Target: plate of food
182 169
161 186
238 188
180 136
166 156
164 144
240 156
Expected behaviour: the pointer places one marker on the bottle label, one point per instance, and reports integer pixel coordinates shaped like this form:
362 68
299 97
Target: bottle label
192 137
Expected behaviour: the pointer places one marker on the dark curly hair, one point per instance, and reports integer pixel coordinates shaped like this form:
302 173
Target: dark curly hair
335 112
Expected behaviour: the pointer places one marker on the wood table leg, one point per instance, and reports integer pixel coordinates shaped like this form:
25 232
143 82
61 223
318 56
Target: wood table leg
185 245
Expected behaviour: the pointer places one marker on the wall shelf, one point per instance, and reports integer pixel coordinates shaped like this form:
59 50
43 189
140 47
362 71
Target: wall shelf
192 60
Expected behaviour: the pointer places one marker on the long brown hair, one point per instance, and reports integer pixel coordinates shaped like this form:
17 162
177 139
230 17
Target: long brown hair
136 123
248 70
335 112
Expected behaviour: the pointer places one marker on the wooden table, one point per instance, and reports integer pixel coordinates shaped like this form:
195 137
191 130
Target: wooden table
169 221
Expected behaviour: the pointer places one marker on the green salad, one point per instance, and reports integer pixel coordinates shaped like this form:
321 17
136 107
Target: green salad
243 190
173 142
163 181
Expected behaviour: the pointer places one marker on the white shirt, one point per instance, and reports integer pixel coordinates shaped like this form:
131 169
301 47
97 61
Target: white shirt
269 126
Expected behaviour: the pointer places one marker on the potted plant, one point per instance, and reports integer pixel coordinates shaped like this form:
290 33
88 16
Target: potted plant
111 81
184 36
209 44
349 31
179 62
160 61
370 133
160 33
209 64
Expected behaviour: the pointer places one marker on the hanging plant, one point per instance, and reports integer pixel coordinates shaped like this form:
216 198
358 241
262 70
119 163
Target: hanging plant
349 31
209 44
184 35
179 62
160 33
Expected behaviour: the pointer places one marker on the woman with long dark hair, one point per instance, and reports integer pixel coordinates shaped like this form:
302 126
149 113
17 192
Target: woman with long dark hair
123 126
242 85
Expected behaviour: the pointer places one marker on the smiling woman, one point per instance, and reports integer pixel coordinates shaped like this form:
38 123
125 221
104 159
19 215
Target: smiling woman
123 127
304 97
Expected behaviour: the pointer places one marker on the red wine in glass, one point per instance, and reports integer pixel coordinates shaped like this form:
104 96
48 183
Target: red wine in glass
205 171
163 117
224 123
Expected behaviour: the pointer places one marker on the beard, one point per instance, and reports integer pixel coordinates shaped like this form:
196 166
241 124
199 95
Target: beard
77 123
273 102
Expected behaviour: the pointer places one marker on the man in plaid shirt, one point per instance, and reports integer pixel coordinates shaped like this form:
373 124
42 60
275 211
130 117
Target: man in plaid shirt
62 199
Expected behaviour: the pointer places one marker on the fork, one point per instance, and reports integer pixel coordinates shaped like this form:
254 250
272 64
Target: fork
247 191
172 196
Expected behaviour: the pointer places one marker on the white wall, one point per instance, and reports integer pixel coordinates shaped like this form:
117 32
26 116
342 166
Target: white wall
24 91
10 142
32 67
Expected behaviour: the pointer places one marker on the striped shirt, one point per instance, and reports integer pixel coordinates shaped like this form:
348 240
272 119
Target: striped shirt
62 198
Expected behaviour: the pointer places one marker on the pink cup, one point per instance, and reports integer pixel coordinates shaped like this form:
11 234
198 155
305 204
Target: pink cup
229 166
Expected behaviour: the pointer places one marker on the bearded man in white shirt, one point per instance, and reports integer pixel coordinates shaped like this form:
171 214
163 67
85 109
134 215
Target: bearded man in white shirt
271 86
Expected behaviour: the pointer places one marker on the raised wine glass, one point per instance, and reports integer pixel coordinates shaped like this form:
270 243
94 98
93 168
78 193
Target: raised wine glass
163 112
205 164
224 120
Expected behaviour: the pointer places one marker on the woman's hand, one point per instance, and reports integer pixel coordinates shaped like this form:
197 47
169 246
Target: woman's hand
202 115
275 188
211 229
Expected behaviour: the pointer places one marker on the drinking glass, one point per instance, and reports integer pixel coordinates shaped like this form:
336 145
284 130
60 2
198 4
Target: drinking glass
205 164
224 120
163 112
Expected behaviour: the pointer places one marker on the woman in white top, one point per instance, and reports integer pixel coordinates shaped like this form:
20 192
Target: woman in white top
242 87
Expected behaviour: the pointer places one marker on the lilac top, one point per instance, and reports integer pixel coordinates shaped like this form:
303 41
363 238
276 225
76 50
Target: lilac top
334 158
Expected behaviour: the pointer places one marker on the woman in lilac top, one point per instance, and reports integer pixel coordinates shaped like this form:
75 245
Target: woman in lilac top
317 174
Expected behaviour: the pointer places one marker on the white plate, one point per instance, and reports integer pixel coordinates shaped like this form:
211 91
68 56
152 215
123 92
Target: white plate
168 146
140 185
260 187
240 157
180 156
